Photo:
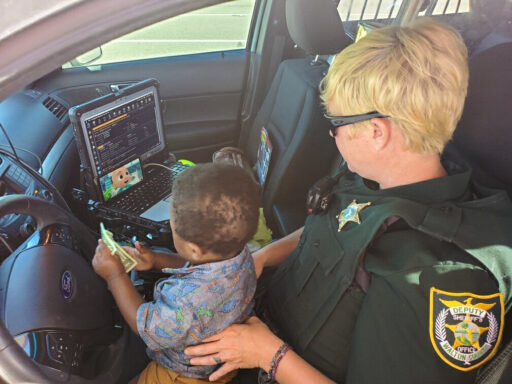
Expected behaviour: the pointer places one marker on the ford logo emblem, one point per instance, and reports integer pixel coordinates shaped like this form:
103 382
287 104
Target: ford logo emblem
66 285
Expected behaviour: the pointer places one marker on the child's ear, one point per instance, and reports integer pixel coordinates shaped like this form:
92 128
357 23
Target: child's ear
196 252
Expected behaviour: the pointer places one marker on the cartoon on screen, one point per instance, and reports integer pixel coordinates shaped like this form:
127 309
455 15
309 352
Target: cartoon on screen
121 179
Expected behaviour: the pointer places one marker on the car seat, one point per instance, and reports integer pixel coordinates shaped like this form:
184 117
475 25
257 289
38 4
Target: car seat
484 138
293 117
483 135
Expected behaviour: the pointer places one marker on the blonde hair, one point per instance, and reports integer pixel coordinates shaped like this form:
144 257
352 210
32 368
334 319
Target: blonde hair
417 75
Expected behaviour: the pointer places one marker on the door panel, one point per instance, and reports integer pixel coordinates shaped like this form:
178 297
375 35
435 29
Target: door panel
199 59
201 95
197 126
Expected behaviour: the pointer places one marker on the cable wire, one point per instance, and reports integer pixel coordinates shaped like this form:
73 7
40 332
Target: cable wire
6 244
10 142
159 165
31 153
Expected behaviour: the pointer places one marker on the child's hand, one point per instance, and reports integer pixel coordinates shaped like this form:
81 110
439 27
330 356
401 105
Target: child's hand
144 256
107 265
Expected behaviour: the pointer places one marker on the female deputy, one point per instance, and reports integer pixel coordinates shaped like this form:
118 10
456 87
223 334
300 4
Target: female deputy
398 280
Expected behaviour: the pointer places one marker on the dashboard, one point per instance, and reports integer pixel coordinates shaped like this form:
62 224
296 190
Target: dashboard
37 123
14 229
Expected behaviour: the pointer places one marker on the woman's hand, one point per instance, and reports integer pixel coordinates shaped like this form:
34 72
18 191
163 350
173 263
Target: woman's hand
246 345
107 265
145 257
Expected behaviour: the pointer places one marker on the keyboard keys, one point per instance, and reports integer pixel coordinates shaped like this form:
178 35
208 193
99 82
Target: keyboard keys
153 188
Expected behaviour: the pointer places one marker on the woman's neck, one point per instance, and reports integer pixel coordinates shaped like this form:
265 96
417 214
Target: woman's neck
413 168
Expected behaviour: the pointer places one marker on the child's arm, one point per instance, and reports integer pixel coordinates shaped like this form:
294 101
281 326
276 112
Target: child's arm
127 298
148 259
110 268
277 252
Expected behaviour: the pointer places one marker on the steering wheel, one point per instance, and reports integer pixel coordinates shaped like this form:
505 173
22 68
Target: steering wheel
60 311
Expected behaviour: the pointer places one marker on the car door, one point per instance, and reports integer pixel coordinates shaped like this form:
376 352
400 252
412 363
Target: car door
200 60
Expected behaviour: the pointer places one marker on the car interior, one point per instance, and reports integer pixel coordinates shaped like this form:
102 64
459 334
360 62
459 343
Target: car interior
293 117
49 222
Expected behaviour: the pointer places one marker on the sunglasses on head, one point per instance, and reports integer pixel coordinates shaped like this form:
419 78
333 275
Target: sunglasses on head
339 121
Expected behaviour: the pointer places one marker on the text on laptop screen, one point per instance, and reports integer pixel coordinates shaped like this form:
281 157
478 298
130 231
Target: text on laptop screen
122 130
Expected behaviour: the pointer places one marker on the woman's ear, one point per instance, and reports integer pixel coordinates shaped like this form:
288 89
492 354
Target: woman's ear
381 134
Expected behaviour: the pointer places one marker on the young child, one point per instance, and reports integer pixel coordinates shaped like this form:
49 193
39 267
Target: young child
211 283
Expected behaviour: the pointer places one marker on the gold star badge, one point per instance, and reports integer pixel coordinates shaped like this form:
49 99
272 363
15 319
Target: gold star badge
351 213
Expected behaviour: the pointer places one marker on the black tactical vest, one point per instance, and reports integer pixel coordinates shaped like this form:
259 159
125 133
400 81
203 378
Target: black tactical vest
311 298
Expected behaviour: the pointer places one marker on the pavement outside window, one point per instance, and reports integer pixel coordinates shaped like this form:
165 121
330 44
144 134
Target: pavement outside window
217 28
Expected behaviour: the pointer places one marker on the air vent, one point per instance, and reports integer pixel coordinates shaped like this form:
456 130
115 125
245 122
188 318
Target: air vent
55 107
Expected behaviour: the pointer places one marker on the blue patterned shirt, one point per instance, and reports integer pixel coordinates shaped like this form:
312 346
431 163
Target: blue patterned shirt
192 304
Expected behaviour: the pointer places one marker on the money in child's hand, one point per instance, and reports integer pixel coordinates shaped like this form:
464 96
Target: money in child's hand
128 261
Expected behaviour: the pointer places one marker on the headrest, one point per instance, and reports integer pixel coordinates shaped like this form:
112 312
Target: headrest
484 132
315 26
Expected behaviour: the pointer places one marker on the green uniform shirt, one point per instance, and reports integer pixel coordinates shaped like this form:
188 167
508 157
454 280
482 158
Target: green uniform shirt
445 239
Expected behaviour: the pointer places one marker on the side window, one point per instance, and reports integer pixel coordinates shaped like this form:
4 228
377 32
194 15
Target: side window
383 12
217 28
379 11
454 12
445 7
474 19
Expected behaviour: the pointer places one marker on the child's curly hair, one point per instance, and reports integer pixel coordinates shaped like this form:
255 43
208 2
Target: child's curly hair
216 206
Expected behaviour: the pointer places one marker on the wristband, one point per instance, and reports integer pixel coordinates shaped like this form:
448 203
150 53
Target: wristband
271 375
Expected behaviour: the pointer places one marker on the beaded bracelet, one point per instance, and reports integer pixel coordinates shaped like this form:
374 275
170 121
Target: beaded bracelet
271 375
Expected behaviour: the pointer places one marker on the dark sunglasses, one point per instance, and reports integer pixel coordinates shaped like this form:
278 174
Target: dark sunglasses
339 121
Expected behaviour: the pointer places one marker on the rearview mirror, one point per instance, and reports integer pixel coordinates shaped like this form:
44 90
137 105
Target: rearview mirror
87 57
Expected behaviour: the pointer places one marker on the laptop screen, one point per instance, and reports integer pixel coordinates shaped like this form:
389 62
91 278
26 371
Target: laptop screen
119 132
121 179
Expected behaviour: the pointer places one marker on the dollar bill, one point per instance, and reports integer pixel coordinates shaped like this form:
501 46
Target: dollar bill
108 238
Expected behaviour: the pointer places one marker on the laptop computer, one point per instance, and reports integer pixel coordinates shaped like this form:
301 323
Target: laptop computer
119 136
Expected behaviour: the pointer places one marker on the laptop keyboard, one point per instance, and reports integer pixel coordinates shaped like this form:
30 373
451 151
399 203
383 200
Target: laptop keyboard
152 189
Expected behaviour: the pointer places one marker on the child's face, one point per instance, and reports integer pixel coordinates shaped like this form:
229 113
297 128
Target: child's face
120 177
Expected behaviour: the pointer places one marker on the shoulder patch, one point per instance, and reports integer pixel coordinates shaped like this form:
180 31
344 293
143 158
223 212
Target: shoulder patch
465 329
